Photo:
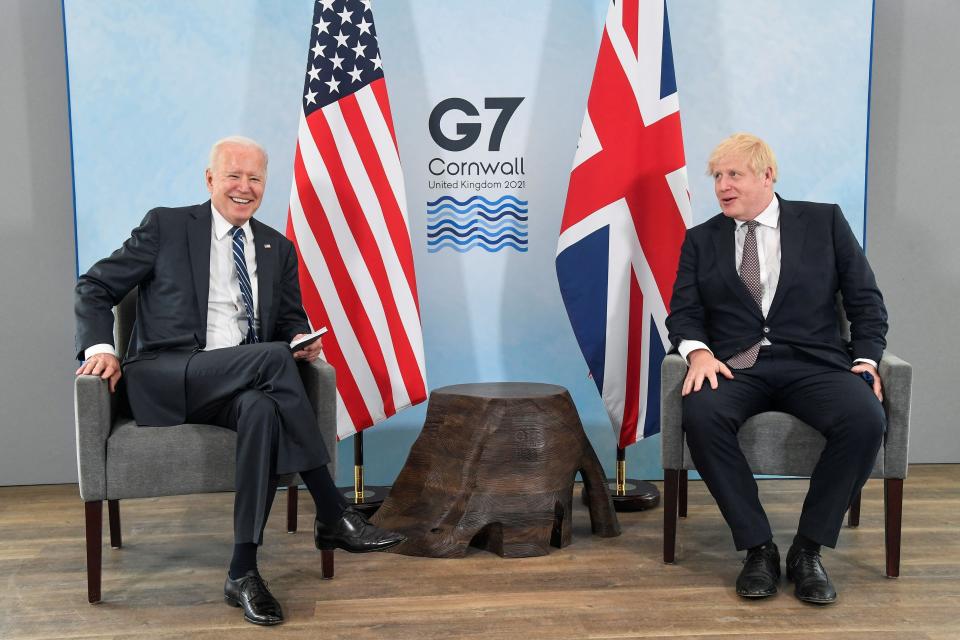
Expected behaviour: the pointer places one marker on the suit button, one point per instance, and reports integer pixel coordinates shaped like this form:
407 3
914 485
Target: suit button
766 329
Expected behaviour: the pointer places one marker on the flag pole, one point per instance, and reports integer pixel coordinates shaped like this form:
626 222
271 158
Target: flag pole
358 493
629 494
363 497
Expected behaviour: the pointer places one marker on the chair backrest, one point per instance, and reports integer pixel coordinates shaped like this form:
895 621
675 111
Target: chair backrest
125 315
842 319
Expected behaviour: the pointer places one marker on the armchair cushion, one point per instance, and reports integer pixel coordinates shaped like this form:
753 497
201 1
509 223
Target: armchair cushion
144 462
779 444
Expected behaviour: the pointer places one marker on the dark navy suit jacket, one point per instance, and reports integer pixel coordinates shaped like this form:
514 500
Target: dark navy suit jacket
819 257
168 257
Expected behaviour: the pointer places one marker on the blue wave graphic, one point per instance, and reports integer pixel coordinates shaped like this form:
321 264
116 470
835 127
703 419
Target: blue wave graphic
478 237
473 198
490 226
477 232
478 207
478 221
462 216
505 245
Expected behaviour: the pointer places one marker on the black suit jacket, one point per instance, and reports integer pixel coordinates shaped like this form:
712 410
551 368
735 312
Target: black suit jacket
168 257
819 257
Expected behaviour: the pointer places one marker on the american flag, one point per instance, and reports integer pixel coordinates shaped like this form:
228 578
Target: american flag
348 220
627 210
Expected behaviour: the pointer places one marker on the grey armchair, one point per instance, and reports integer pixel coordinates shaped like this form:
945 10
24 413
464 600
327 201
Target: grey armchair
779 444
117 460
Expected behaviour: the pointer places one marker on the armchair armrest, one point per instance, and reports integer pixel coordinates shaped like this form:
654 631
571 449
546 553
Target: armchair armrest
897 378
93 416
320 383
672 372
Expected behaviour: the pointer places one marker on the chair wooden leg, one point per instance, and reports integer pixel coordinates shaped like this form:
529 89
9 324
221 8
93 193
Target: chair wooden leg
94 530
853 516
682 508
326 563
292 494
893 513
113 512
671 485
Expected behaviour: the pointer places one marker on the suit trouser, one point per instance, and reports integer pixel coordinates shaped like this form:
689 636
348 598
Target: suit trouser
836 402
256 391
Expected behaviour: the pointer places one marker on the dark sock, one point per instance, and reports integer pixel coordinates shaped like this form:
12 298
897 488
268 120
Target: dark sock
244 559
329 502
801 541
761 546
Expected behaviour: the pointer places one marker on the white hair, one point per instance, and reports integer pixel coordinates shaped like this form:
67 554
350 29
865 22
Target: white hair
242 141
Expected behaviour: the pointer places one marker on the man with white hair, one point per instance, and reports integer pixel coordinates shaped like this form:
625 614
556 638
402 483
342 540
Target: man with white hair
219 302
753 313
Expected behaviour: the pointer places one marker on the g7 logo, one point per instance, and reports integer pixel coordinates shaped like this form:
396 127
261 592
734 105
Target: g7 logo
469 132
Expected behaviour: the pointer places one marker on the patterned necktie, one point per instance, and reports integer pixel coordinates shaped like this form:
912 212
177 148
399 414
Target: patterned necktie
246 289
750 274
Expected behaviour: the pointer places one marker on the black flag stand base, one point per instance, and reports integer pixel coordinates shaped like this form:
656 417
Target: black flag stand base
364 498
629 494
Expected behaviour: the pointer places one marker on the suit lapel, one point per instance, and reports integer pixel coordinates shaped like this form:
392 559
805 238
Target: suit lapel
793 227
198 240
725 244
266 270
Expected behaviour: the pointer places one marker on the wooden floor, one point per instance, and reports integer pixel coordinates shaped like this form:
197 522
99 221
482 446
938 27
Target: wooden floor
166 581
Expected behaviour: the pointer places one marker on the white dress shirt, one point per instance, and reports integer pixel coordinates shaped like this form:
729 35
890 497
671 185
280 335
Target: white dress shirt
226 316
768 252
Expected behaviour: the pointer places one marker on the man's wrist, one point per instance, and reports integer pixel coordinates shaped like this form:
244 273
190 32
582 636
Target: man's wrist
687 347
96 349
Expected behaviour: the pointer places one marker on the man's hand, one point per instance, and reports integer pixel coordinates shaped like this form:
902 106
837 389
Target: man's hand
703 366
104 365
309 353
860 367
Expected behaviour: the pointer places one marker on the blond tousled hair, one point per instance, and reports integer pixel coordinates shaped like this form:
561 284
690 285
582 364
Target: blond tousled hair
757 153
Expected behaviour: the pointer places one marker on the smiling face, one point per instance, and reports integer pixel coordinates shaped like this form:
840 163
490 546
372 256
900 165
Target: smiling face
236 179
742 193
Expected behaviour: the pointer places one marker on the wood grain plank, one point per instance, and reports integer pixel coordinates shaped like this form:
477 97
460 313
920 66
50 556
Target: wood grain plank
166 580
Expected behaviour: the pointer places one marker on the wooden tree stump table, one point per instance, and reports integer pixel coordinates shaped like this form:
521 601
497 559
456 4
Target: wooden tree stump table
494 466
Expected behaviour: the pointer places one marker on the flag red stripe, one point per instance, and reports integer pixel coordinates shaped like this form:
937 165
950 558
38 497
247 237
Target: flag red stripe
406 360
661 236
620 171
631 17
379 88
346 291
611 104
635 355
393 216
346 384
366 241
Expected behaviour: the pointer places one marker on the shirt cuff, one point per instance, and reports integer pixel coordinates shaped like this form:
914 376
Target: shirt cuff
89 352
686 347
867 360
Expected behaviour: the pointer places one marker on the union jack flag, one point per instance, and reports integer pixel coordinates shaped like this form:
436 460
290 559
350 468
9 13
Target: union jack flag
627 210
348 220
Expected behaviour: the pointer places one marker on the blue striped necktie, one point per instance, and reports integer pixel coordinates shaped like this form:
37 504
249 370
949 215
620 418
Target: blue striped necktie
246 289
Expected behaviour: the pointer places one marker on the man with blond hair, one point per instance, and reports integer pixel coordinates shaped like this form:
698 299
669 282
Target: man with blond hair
218 304
753 313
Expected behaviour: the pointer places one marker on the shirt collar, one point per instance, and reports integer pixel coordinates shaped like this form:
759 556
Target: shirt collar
769 217
221 228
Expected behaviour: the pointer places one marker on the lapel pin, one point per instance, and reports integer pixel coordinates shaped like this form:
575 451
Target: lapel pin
266 246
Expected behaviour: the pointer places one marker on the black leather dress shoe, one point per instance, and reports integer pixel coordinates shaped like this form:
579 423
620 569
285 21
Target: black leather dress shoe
760 576
250 592
353 533
812 583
